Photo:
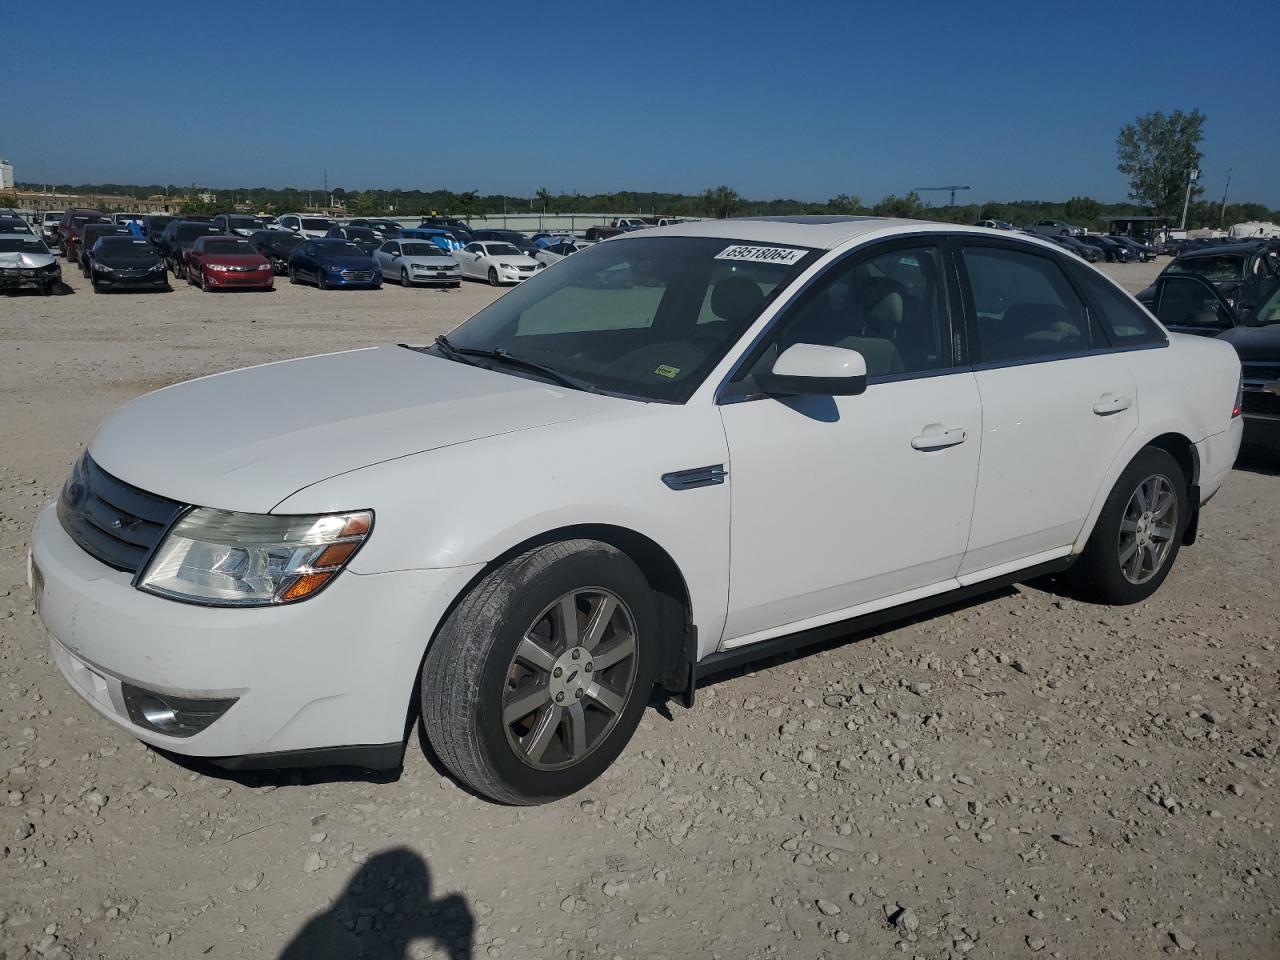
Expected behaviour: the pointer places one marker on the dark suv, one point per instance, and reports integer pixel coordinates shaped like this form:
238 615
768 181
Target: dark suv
153 225
177 240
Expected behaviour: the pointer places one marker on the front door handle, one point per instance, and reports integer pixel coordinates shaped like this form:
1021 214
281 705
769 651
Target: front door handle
935 438
1108 404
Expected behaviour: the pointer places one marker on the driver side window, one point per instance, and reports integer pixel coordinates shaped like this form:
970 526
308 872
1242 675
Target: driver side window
891 307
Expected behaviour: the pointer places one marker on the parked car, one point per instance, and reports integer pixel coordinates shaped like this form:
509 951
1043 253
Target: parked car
118 262
26 261
1083 250
547 239
307 224
366 238
1002 225
286 594
498 263
177 239
450 223
50 221
418 261
558 251
1143 252
73 222
276 246
333 263
1045 228
1189 303
131 220
602 233
90 234
153 225
240 224
386 229
227 263
1241 272
513 237
15 225
1111 251
442 238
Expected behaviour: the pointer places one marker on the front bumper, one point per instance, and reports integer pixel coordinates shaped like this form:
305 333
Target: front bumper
337 280
150 279
335 671
257 280
33 278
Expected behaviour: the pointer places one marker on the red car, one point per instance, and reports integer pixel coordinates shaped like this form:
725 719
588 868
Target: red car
223 263
73 224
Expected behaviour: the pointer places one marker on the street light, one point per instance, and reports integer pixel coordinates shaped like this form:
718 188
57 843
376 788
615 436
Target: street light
1192 176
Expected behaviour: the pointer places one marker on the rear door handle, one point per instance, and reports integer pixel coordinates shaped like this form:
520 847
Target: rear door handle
935 438
1108 404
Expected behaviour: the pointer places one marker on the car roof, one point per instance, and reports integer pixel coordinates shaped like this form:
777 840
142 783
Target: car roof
1217 250
19 236
820 232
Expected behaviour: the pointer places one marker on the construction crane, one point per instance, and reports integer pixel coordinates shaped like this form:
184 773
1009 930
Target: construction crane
952 189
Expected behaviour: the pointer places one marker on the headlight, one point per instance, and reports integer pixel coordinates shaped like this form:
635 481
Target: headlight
219 267
157 266
103 267
506 266
248 560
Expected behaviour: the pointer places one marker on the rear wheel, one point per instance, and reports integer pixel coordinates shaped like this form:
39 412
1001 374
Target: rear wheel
537 680
1138 533
493 277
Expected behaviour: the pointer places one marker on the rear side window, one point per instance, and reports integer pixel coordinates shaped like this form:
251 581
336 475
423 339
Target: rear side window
1024 307
1126 324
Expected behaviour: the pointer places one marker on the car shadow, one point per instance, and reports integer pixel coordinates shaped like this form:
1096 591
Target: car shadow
282 776
386 906
1252 461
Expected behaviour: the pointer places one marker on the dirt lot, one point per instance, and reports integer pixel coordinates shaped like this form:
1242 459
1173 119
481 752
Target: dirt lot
1028 774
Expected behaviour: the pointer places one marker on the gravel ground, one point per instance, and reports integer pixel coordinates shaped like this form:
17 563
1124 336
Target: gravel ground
1024 775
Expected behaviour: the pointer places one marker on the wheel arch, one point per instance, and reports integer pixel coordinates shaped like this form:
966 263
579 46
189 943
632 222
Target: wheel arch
675 603
1174 442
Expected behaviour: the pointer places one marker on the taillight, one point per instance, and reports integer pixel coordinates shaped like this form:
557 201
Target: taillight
1239 406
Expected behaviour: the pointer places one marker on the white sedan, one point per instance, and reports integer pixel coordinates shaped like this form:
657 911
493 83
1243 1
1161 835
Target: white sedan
496 262
680 450
559 250
413 262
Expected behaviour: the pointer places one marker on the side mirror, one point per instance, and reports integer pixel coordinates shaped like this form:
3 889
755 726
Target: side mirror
810 368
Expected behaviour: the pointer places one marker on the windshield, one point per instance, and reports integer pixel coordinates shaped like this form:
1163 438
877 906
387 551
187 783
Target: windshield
81 221
157 224
360 233
312 223
336 248
421 250
124 247
645 317
1216 269
189 231
22 245
1268 312
244 223
501 250
243 247
283 244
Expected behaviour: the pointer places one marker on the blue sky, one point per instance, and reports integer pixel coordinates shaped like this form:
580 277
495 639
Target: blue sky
1019 99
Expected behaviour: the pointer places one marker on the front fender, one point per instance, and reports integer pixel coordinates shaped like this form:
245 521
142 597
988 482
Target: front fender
472 502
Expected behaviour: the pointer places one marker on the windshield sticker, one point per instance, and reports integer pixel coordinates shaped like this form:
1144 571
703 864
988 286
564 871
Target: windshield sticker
783 255
670 373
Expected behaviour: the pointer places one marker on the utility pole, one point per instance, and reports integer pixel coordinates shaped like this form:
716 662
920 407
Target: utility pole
1222 215
1192 176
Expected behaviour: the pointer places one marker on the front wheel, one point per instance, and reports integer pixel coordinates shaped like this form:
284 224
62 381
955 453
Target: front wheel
493 277
537 680
1138 533
404 277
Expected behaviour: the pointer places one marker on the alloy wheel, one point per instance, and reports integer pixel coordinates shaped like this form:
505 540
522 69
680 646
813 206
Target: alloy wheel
1147 529
570 678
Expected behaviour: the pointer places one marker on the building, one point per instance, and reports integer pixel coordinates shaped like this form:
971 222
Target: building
6 175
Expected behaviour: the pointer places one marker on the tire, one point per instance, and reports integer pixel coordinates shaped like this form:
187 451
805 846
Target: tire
1101 572
292 277
404 278
321 283
471 666
204 282
96 287
493 277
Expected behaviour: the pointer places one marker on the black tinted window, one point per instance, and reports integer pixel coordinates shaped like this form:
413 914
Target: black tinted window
890 307
1189 302
1024 306
1124 321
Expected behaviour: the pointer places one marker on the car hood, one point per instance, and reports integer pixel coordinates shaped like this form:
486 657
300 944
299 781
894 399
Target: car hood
236 259
1255 343
247 439
28 260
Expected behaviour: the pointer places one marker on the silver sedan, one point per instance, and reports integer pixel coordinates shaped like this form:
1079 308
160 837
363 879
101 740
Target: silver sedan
418 261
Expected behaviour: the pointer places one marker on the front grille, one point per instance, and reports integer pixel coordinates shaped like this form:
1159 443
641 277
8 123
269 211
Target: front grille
357 276
524 269
1263 370
111 520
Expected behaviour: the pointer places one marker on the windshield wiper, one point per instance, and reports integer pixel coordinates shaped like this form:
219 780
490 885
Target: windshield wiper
502 356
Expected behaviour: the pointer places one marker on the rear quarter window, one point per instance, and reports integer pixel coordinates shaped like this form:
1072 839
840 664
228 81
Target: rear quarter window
1125 323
